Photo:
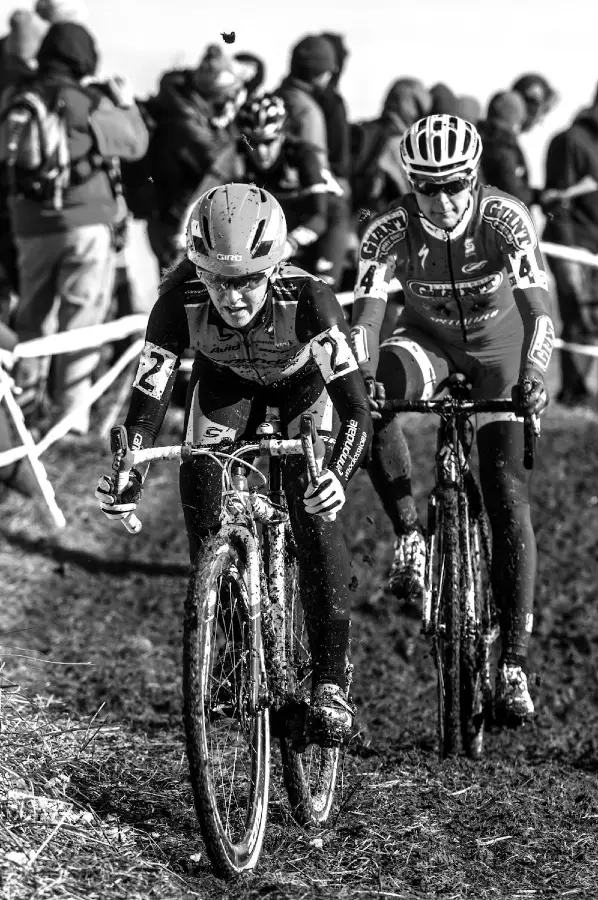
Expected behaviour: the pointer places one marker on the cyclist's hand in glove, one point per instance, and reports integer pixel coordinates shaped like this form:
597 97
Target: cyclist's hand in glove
376 396
530 393
326 498
119 505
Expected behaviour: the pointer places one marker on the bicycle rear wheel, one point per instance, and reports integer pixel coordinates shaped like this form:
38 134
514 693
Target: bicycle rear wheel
447 643
309 771
226 722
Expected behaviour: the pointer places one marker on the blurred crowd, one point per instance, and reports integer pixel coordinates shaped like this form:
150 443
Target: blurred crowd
80 158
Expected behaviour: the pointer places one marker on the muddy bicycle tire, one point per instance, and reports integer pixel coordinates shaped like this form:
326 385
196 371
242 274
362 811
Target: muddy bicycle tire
474 548
309 773
226 722
448 634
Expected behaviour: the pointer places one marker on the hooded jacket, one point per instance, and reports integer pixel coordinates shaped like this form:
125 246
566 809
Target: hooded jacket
335 113
572 155
306 119
503 164
98 130
376 146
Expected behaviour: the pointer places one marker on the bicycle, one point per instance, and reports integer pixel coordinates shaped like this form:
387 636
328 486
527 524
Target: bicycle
459 618
246 660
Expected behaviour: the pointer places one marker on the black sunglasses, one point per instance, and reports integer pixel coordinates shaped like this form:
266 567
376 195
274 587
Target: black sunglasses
433 188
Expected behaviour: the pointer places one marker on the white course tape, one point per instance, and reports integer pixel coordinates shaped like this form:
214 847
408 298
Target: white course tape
81 338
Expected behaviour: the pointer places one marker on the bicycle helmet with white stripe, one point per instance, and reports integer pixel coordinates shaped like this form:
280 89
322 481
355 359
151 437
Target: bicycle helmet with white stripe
440 147
263 118
236 230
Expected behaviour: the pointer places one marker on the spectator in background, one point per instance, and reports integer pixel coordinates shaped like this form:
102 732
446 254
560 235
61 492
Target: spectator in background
469 108
539 98
571 207
193 114
53 11
444 101
503 163
17 62
65 237
313 61
331 249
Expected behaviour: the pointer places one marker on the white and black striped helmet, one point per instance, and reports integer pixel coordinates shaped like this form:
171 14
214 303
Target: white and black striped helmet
262 118
440 147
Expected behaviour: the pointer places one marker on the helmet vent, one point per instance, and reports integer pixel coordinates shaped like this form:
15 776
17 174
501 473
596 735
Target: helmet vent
206 233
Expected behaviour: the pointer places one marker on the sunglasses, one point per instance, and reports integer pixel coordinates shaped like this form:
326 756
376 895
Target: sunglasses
433 188
243 283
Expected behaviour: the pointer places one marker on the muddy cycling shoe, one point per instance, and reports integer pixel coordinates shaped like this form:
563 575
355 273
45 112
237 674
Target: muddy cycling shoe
513 705
406 578
330 716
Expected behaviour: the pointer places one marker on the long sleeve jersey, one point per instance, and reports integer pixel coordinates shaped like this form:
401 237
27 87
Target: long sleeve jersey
301 329
465 287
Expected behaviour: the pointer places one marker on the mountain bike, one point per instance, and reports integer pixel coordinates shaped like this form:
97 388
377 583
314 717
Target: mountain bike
459 618
247 665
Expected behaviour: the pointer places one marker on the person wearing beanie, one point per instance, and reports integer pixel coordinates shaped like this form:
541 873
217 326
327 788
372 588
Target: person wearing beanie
54 11
312 64
63 215
469 108
503 164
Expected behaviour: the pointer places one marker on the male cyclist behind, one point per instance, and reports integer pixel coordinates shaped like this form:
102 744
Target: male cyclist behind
263 334
285 166
467 257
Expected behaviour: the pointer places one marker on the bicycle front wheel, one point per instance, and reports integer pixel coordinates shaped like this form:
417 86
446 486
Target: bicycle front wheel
309 771
447 643
224 683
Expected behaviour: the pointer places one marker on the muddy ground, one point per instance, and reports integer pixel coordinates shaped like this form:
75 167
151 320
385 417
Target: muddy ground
90 625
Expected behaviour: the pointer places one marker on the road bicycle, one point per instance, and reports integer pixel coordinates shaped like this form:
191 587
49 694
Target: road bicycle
459 618
247 665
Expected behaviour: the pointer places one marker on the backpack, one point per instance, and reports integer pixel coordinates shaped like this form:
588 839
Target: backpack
137 181
34 147
368 141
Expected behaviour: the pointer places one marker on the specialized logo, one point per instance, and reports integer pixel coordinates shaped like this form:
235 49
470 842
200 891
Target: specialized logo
469 246
156 365
423 255
474 266
385 234
226 257
464 290
333 354
511 220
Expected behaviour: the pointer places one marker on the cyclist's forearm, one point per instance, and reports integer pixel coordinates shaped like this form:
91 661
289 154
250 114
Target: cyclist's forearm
355 434
368 315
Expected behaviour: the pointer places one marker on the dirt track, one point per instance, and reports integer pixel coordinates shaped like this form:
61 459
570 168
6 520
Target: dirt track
522 823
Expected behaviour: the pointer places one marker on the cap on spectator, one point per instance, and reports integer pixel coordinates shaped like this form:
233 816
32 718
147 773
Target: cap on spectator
312 56
25 35
508 107
218 76
61 10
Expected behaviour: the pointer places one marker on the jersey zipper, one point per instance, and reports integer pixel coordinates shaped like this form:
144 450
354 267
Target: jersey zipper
455 292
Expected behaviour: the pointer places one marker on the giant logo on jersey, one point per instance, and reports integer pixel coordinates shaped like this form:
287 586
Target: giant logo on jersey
385 234
464 290
511 220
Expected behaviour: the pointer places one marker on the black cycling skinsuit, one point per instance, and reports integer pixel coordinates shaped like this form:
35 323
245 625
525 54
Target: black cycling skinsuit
475 302
297 356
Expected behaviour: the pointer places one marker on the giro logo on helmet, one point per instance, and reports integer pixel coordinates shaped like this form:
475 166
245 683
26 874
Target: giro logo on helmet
233 257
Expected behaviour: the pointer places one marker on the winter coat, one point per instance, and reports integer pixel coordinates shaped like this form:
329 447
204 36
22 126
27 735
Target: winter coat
572 155
306 119
503 164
